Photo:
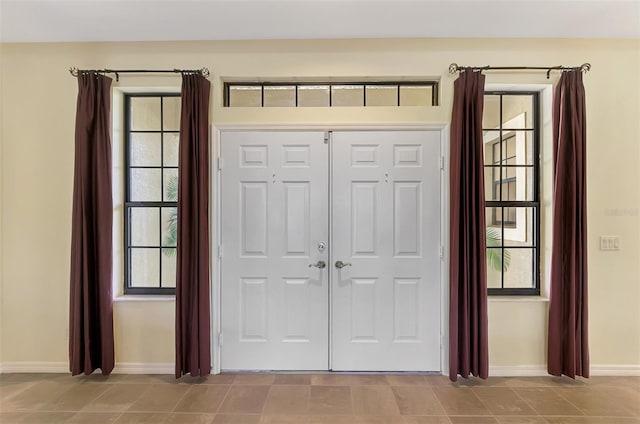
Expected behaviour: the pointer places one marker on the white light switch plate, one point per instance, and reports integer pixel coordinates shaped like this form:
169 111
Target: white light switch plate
609 242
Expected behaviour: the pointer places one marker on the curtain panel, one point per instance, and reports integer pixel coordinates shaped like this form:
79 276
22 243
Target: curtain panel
568 350
468 340
193 333
91 343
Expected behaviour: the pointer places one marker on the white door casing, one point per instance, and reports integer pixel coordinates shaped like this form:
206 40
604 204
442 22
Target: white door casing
386 224
274 213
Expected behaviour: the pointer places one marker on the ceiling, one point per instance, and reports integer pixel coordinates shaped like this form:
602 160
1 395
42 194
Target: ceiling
157 20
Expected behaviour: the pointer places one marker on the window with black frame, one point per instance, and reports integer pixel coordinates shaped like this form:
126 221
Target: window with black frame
511 155
151 137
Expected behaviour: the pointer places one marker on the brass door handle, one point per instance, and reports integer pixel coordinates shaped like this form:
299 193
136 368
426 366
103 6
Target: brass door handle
320 265
340 264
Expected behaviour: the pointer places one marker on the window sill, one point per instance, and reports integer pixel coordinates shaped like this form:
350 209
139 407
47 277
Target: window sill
139 298
518 299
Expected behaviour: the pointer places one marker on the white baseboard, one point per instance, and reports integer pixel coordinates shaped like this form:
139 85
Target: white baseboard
144 368
517 370
615 370
63 367
541 370
34 367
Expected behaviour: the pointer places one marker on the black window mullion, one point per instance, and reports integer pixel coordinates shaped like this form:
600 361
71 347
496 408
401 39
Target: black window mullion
330 95
161 190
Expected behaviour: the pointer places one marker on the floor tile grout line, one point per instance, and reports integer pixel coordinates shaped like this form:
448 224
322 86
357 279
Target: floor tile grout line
527 403
229 388
181 397
441 404
491 414
93 399
585 413
28 386
264 404
554 389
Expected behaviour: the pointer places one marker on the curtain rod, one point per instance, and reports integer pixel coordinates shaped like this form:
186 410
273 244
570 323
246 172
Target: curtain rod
454 67
203 71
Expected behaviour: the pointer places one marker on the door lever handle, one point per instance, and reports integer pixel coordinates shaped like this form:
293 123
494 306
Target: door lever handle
320 264
340 264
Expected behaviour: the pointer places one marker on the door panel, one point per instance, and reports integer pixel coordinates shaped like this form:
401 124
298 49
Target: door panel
386 225
274 214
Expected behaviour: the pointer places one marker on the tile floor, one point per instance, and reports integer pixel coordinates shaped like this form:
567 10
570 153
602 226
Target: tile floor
316 398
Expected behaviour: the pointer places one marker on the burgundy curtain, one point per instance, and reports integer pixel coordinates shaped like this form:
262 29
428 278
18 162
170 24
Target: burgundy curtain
193 351
468 341
568 351
90 300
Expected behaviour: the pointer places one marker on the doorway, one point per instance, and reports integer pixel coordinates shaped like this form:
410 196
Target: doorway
331 250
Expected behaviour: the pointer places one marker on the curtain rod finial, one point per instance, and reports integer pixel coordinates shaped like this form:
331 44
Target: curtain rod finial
453 68
586 67
73 71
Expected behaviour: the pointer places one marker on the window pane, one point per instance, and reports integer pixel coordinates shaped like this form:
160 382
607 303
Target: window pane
279 96
145 185
347 95
171 113
415 95
170 149
145 113
494 268
313 95
493 217
509 183
145 267
509 148
491 112
144 149
513 106
245 96
524 184
519 272
517 147
382 95
169 267
492 183
169 226
145 226
170 185
491 140
493 230
521 233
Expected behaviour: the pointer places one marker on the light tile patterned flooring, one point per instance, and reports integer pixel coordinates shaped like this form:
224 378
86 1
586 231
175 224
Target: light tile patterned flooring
316 398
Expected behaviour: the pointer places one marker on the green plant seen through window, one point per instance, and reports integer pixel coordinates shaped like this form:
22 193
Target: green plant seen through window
494 259
171 238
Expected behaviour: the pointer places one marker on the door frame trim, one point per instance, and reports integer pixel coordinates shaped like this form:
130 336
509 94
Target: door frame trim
215 196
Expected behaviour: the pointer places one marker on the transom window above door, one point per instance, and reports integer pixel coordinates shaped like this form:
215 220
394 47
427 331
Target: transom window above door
331 94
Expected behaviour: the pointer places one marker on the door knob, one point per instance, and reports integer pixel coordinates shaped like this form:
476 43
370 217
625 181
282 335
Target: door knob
320 264
340 264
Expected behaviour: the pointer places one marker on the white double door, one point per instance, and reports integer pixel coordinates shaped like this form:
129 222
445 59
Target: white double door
294 206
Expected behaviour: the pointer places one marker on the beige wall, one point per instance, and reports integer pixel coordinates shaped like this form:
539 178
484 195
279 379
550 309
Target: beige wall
38 109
